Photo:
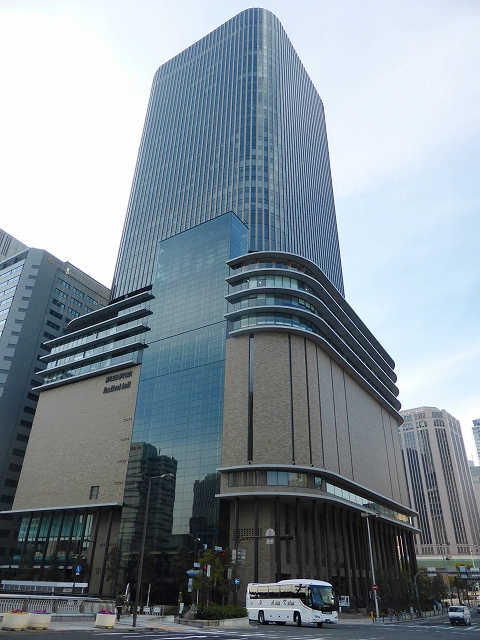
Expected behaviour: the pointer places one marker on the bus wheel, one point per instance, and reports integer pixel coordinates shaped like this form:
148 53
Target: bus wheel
261 618
298 619
319 625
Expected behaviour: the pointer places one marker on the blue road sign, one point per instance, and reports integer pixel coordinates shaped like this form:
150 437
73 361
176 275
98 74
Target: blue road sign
78 569
236 581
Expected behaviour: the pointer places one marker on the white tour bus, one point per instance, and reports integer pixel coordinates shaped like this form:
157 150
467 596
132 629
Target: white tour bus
299 601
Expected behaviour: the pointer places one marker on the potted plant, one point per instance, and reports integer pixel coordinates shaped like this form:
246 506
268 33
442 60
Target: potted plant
39 619
15 619
105 618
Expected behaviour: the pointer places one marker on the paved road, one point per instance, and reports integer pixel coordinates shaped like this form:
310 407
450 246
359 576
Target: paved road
420 630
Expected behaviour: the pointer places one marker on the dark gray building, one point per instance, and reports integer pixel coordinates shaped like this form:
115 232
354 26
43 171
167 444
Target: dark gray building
39 295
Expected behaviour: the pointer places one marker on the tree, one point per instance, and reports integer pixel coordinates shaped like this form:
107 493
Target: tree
431 588
53 572
181 563
395 588
216 582
26 563
113 566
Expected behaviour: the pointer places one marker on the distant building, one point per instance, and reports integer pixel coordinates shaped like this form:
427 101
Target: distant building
440 485
39 296
476 436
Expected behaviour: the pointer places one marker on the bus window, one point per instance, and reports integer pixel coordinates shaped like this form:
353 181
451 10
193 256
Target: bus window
286 591
322 596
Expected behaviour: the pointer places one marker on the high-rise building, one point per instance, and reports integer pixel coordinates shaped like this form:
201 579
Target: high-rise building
9 245
476 436
234 123
270 400
39 295
440 485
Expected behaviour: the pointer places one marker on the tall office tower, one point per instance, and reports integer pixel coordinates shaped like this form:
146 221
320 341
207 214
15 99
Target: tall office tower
250 373
39 295
234 123
440 484
476 436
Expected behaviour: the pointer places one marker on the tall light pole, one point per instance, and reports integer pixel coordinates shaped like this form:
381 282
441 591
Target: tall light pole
367 516
142 546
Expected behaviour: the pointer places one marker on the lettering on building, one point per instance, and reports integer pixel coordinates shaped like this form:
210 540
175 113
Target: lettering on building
117 387
119 376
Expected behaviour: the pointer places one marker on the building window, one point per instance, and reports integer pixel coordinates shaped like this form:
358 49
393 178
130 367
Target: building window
63 283
94 492
94 302
58 303
277 478
76 302
78 292
72 312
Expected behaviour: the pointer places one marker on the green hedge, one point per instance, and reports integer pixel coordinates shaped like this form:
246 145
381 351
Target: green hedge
220 612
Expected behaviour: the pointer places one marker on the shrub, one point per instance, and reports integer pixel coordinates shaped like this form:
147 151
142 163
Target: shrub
220 612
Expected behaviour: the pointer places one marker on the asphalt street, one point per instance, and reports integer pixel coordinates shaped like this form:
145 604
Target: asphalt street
439 627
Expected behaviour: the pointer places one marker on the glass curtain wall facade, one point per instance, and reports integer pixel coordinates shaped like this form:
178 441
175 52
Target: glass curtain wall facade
180 396
234 123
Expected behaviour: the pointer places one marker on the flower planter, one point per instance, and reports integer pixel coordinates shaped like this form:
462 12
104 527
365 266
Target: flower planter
38 620
105 620
14 621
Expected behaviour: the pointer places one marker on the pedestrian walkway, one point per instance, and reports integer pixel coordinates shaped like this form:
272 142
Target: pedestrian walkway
156 623
87 623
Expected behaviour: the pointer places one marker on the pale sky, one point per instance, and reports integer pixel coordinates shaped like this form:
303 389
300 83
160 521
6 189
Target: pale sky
400 81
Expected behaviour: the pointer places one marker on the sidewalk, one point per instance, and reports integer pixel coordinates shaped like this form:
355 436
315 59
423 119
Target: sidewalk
155 623
87 623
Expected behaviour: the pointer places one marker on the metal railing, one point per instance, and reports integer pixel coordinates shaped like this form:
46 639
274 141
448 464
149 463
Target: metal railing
58 605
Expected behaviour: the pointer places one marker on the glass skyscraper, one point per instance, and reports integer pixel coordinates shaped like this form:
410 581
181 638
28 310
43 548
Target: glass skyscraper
234 123
248 392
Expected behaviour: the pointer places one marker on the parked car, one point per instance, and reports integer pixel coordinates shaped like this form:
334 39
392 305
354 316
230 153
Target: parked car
459 615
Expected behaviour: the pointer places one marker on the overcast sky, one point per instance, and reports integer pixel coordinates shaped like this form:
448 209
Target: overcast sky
400 81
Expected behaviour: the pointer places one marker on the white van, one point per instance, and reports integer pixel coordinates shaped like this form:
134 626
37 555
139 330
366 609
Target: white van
459 615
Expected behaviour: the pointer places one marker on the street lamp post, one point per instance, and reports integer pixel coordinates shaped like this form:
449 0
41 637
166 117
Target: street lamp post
416 588
366 516
142 546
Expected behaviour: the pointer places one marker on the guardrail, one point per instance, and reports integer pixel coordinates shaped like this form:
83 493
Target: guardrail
56 604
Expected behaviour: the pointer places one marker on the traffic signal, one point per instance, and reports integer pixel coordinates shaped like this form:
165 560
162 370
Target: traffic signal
204 568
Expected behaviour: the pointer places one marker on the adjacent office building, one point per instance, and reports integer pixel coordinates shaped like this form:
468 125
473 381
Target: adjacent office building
440 486
258 398
39 296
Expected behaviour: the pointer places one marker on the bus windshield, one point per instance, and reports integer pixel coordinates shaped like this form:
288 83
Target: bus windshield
322 597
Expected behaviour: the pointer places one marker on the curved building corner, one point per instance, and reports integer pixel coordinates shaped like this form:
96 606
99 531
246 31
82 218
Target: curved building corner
310 431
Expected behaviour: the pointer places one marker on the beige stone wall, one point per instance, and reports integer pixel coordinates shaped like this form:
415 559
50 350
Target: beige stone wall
80 438
337 424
